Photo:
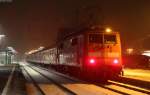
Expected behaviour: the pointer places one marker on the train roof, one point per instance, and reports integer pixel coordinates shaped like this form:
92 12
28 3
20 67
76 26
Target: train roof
44 49
68 32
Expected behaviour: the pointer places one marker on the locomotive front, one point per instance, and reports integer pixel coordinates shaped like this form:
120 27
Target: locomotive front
103 53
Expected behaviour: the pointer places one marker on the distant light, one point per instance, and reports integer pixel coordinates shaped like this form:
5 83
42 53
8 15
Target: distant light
40 48
12 49
108 30
1 36
31 51
129 50
34 50
146 53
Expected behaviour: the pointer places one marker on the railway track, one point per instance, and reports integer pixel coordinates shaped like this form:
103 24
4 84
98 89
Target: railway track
40 90
136 85
69 92
128 86
110 88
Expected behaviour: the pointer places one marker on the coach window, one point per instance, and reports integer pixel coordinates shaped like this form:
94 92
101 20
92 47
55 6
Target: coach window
74 41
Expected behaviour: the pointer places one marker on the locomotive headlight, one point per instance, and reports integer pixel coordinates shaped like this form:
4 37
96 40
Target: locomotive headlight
108 30
116 61
92 61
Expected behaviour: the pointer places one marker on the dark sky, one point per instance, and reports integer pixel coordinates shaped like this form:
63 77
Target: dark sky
29 24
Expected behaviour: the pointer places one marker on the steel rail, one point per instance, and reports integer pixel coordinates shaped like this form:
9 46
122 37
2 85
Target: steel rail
34 82
69 92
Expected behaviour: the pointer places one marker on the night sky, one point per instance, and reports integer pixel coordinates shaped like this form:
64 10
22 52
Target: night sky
29 24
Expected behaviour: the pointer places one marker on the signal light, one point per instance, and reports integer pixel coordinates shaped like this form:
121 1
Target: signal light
116 61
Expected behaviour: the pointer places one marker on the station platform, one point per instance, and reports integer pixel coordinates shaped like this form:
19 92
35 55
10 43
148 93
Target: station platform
11 80
139 74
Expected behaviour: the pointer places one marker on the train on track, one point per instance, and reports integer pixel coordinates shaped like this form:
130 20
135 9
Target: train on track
90 52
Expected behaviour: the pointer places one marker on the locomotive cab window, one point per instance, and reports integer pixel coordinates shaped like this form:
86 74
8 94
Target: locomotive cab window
110 39
95 38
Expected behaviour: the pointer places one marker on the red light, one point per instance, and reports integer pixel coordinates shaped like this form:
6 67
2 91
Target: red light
92 61
116 61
